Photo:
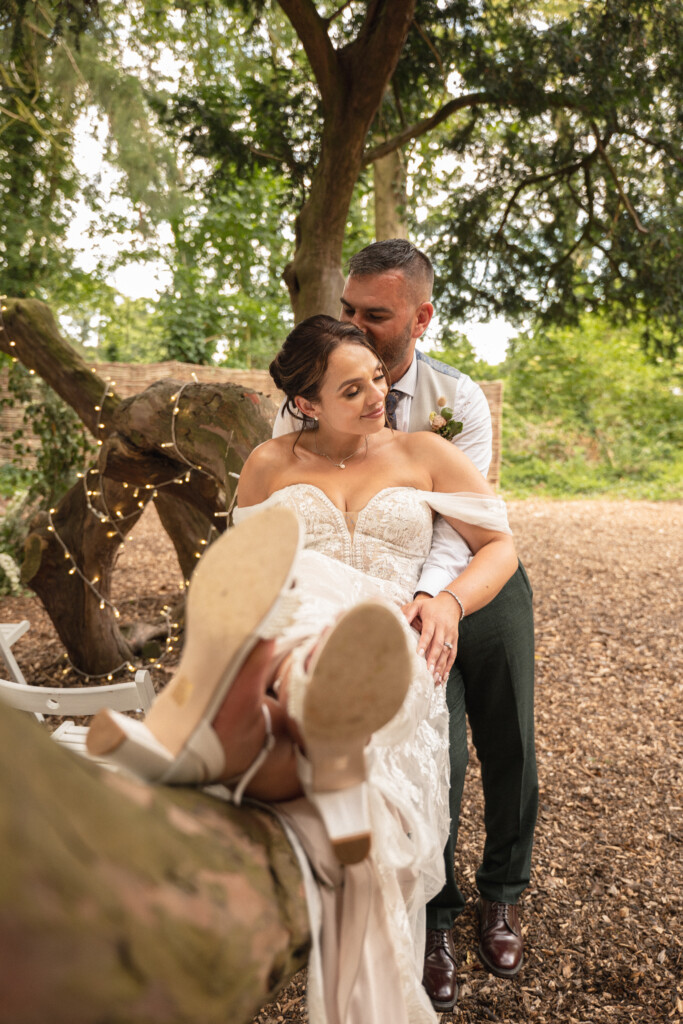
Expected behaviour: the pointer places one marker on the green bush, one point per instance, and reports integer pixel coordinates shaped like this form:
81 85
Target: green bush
587 412
38 477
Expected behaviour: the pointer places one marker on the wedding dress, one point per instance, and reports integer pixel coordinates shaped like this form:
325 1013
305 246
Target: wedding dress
366 964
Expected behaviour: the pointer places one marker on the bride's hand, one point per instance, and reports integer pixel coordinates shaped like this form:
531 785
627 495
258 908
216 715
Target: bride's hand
437 618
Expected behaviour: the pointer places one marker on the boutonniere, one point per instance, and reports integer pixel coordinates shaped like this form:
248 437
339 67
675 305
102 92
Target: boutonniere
442 422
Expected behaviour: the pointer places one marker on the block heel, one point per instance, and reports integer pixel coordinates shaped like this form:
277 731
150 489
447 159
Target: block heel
356 682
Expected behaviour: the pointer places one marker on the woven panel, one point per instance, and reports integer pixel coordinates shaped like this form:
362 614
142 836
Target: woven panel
128 379
493 393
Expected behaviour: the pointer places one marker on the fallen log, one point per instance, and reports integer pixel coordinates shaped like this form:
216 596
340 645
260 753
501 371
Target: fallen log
136 904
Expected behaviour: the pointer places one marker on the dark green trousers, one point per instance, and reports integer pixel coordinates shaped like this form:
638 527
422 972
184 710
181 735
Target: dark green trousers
492 686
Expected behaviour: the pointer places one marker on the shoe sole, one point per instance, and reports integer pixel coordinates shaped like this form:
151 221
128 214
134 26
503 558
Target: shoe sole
359 681
444 1007
232 591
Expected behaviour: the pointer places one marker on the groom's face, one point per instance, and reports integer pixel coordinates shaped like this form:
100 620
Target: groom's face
388 310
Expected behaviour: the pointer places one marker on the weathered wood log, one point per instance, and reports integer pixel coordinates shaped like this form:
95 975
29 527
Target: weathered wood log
180 445
31 335
73 545
133 904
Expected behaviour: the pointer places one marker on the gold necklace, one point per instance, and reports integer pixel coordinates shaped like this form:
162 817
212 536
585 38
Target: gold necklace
342 464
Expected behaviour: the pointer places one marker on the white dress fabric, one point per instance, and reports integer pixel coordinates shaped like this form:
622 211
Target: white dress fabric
366 964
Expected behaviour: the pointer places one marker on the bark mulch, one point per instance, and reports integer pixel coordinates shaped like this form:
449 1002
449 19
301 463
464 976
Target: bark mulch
603 916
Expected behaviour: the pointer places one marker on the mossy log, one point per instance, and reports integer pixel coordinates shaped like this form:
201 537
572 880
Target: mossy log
179 445
135 904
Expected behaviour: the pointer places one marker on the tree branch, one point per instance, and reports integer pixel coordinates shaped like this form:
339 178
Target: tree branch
610 167
663 145
378 46
312 32
534 179
29 333
437 56
569 253
335 14
422 127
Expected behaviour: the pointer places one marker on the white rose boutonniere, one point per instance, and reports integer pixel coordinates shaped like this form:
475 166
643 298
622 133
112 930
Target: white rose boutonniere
442 422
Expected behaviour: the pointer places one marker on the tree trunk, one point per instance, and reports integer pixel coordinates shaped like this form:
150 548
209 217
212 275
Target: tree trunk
389 179
352 82
132 904
31 335
314 277
69 559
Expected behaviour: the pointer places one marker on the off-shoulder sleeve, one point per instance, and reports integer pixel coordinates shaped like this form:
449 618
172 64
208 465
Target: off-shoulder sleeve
238 514
479 510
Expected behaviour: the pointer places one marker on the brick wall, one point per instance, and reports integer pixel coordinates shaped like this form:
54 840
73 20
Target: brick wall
130 378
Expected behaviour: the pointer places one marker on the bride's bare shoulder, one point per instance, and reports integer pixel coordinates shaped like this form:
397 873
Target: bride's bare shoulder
419 442
265 462
271 451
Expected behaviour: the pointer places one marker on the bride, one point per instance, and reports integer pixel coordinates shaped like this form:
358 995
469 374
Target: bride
310 669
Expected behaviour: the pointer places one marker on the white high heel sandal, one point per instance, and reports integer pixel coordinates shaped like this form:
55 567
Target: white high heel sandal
357 679
232 596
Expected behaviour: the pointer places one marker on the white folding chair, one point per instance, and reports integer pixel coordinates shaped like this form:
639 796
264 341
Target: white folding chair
9 634
134 695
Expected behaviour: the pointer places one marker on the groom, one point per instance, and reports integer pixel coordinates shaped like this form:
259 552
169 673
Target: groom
387 294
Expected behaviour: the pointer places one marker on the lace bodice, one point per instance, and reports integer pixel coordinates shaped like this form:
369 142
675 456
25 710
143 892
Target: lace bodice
389 539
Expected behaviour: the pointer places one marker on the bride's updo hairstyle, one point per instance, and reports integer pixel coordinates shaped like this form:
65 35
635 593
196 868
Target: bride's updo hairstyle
300 366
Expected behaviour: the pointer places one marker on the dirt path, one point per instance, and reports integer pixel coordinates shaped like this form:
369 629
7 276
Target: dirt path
603 916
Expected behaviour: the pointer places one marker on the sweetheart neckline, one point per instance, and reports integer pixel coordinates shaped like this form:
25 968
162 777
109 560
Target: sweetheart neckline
430 498
348 511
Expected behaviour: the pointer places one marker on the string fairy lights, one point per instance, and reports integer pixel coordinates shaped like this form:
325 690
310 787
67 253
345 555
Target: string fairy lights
114 519
10 342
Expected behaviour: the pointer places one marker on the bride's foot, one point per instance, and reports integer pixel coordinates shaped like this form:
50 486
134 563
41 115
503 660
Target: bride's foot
232 593
355 683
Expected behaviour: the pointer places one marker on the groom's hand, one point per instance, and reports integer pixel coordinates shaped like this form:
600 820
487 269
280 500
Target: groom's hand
437 619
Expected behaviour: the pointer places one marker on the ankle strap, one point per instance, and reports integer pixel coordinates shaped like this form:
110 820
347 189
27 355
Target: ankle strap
265 750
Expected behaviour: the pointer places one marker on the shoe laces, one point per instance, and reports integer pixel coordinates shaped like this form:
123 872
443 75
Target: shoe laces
501 911
437 938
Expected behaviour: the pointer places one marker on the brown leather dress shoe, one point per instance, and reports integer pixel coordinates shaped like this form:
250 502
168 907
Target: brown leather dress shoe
501 947
440 969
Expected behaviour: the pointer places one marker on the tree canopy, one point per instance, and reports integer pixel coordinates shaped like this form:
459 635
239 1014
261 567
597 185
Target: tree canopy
539 145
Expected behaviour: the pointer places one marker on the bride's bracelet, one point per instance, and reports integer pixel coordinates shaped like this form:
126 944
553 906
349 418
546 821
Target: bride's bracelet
461 605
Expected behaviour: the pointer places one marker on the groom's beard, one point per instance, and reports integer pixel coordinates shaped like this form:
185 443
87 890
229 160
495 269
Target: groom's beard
392 351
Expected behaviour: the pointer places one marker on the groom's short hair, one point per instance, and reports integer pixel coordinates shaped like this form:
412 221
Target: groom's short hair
393 254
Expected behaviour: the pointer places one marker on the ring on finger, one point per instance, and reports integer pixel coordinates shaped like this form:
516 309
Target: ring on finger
447 645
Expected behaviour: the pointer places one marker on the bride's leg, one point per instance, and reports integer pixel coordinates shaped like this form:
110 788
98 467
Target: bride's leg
241 727
214 721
